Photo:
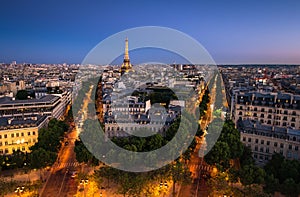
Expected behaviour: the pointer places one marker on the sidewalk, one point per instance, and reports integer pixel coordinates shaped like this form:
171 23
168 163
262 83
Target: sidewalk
21 176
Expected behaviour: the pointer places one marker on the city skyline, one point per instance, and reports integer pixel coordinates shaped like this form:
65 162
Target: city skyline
232 32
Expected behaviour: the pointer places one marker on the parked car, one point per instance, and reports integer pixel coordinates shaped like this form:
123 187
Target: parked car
74 174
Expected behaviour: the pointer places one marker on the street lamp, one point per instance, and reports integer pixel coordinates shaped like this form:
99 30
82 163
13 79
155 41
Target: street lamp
163 187
19 190
84 182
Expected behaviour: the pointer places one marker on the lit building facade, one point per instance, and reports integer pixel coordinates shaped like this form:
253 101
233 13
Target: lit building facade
20 134
269 123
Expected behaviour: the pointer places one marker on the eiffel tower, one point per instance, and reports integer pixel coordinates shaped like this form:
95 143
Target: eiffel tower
126 66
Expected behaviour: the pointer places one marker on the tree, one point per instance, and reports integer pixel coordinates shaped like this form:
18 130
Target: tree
218 185
283 176
82 153
179 174
219 155
41 158
246 158
18 158
22 95
250 174
290 188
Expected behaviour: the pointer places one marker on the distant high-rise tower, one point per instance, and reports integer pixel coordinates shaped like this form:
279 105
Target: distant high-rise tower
126 62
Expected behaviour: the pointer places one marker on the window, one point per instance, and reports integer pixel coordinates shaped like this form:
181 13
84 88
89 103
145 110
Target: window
262 109
256 148
255 108
255 156
0 143
5 135
12 135
281 145
285 112
296 148
23 148
240 113
256 140
285 118
255 114
284 124
289 154
17 134
33 133
262 141
261 149
28 133
275 144
241 107
244 139
270 110
6 143
270 116
6 151
22 134
266 158
268 143
292 124
0 136
281 152
1 151
294 113
249 139
262 115
290 147
267 150
293 119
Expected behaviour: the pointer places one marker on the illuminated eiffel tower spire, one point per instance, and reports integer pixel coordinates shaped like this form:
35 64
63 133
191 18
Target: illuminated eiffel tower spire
126 62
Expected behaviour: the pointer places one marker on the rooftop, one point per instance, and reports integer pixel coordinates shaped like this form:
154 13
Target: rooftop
8 123
44 99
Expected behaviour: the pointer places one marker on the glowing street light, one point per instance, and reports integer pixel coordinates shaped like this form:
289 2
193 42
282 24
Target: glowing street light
19 190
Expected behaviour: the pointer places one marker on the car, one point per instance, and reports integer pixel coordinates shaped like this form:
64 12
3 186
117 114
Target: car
74 174
48 168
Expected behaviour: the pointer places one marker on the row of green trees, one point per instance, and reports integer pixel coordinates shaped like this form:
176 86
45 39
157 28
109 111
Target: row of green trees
283 176
137 183
235 160
145 183
228 147
44 152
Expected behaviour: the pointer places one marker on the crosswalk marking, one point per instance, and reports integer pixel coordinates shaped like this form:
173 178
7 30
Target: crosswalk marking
69 164
200 167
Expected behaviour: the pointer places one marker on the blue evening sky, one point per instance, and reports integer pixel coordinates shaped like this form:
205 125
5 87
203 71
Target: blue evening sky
257 31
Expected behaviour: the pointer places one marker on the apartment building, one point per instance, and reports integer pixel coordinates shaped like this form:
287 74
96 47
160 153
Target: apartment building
20 133
273 109
49 105
265 140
